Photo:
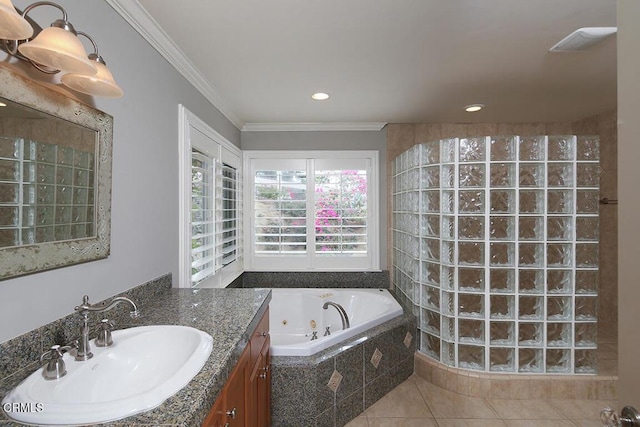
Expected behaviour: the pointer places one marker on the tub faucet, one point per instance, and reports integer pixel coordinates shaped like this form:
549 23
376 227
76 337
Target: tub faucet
341 310
84 350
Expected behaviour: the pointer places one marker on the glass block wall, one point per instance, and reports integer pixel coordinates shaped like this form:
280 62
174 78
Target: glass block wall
495 246
46 192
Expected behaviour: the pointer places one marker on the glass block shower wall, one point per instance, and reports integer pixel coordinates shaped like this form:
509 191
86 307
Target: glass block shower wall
495 246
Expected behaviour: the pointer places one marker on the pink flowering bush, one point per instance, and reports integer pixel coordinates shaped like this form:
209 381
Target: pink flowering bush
340 201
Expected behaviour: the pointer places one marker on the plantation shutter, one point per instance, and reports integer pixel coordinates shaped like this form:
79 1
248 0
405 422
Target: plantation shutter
229 217
280 207
203 213
341 212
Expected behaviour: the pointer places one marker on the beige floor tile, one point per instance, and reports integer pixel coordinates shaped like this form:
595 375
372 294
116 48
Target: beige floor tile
470 423
449 405
416 402
360 421
588 423
540 423
402 422
581 409
403 401
532 409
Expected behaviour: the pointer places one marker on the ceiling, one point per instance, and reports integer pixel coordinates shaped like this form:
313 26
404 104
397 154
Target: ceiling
396 61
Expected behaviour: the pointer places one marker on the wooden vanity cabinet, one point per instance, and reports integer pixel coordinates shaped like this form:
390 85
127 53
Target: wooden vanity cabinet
245 399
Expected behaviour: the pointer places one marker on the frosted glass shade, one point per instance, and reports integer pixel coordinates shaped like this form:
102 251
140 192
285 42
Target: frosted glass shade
58 49
12 25
100 84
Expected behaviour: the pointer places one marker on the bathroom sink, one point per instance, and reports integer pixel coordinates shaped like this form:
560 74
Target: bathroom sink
144 366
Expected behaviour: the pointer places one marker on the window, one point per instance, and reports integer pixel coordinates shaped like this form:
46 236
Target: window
318 212
280 208
203 227
340 211
210 211
229 214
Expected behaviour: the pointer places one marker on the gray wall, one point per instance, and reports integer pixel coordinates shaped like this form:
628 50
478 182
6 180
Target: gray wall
144 239
332 140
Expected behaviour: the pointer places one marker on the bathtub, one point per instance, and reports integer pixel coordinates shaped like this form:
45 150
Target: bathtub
295 314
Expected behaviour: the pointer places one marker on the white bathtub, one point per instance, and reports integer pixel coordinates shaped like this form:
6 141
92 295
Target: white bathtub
294 314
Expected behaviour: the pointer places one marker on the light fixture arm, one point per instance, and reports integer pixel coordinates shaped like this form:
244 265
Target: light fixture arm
49 3
95 56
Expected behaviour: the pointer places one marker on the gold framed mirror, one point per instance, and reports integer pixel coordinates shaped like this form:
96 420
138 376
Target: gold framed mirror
55 178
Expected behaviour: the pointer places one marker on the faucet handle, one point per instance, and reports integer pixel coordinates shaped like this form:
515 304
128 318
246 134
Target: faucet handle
55 367
104 338
55 352
106 324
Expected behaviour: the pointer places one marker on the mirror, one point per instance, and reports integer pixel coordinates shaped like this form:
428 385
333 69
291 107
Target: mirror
55 178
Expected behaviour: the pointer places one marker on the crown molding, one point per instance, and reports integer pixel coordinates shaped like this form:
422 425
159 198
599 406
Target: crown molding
316 127
133 12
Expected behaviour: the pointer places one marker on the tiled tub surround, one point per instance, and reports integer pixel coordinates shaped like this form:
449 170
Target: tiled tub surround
334 386
315 279
228 315
496 246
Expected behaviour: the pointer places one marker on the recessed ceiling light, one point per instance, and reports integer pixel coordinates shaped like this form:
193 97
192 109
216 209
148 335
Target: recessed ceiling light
320 96
474 107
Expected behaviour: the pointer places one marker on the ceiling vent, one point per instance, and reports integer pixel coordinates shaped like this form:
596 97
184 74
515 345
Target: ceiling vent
583 39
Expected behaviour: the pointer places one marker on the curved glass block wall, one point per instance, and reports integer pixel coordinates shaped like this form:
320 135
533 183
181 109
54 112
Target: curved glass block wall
495 246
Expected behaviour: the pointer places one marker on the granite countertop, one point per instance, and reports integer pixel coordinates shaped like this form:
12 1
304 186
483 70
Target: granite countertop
228 315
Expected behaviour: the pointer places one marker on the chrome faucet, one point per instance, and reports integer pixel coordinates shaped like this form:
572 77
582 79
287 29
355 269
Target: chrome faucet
341 310
84 350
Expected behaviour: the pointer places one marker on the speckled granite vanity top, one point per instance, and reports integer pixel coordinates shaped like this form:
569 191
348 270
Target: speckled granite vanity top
228 315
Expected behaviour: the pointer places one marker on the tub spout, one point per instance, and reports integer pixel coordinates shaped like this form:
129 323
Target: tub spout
341 310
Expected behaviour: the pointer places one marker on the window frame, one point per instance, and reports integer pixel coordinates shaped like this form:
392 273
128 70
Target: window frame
223 152
309 260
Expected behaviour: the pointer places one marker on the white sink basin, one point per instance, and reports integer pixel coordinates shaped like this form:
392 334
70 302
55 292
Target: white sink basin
144 366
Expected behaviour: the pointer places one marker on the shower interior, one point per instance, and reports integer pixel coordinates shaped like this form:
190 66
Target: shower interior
495 247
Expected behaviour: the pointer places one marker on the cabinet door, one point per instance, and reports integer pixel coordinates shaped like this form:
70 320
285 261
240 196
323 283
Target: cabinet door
264 387
216 417
259 337
260 389
235 390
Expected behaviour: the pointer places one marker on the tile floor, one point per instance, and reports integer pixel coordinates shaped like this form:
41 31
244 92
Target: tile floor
418 403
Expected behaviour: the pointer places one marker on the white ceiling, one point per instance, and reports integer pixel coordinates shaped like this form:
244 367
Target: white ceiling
394 61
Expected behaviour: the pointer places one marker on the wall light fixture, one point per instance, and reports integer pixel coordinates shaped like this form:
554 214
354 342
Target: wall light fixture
55 49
